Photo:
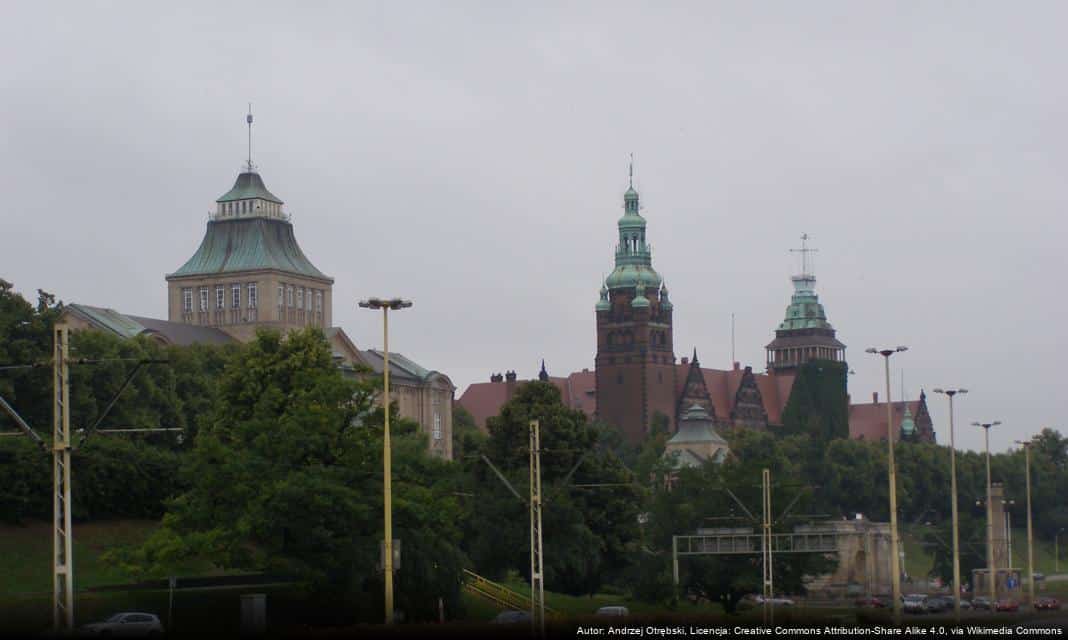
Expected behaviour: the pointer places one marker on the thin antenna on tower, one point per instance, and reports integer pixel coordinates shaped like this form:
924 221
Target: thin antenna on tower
248 119
631 176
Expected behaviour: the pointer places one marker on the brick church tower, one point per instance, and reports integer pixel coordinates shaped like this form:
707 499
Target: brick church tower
635 364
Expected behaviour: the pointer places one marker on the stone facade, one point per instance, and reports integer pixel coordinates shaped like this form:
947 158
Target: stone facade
863 557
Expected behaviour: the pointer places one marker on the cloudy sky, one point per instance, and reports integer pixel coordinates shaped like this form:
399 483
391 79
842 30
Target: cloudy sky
473 156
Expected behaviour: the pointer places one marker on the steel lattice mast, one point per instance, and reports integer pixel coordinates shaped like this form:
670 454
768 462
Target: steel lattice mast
537 577
62 565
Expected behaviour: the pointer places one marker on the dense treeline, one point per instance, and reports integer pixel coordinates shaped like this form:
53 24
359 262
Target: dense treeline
278 468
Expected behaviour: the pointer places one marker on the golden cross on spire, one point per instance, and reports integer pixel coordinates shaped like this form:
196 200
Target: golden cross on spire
804 251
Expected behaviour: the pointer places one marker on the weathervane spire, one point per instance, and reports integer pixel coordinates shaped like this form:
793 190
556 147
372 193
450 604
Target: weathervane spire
804 251
248 119
631 171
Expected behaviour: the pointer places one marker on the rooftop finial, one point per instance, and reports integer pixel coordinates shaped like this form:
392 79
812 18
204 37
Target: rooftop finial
248 119
804 251
631 172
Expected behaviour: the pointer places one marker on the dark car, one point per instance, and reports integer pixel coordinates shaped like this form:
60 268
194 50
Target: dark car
1047 603
1006 604
981 602
939 604
871 602
511 617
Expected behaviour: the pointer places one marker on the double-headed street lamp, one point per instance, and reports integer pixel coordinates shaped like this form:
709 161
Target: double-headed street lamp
387 471
895 567
989 513
1030 539
949 393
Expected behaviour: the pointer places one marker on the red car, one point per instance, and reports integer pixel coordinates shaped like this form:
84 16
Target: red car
873 602
1006 604
1047 603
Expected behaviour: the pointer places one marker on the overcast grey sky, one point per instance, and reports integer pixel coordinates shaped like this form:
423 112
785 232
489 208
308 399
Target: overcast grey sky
473 156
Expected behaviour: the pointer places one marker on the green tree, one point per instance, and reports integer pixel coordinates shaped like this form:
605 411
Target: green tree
285 477
589 533
818 404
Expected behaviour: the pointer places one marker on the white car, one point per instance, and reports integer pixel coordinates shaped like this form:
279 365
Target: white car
614 611
776 601
126 624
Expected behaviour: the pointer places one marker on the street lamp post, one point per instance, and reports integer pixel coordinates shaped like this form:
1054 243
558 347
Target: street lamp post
989 514
1030 535
387 456
953 491
895 567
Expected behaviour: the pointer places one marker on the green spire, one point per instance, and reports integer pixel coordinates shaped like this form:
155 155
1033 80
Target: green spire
805 310
634 256
665 304
908 425
603 304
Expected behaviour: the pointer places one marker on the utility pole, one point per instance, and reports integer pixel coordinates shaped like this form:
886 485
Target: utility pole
1030 534
387 455
895 541
537 577
62 560
62 446
991 571
769 579
953 491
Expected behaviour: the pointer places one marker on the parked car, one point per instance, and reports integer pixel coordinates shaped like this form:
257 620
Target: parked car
939 603
873 602
129 623
965 603
512 617
1047 603
1039 576
1006 604
914 603
614 611
981 602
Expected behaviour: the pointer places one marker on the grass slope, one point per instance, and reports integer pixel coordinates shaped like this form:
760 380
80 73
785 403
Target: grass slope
26 554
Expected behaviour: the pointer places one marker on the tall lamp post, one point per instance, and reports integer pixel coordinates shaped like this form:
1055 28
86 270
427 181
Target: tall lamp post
895 543
1030 536
989 514
387 470
949 393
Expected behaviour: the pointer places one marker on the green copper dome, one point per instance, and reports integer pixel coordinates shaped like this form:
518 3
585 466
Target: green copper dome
634 256
805 310
626 276
249 185
908 425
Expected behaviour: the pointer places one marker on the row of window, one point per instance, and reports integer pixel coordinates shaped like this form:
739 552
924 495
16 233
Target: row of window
251 297
288 294
248 206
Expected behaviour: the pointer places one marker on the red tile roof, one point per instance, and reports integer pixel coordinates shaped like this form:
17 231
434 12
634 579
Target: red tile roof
484 400
578 390
868 421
